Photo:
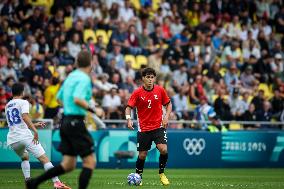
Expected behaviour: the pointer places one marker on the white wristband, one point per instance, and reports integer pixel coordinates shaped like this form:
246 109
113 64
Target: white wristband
127 116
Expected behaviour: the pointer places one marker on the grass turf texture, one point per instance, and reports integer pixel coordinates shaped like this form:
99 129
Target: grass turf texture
179 178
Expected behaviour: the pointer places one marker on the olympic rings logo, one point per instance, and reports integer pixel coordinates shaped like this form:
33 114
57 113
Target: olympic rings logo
194 146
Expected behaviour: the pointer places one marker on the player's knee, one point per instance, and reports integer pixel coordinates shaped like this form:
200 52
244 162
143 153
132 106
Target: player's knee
68 166
89 162
43 159
25 157
142 155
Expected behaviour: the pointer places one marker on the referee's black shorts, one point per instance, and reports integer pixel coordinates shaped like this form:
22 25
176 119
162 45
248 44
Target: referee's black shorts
75 138
145 139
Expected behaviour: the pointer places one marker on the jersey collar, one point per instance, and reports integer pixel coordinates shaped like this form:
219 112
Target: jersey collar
147 89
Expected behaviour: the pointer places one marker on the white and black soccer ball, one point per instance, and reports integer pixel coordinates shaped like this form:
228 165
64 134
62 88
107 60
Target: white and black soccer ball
134 179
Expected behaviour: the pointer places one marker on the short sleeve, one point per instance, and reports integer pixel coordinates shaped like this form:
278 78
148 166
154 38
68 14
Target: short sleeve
25 107
82 89
165 98
133 99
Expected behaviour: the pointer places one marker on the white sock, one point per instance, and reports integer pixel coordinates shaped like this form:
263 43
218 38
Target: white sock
49 166
26 168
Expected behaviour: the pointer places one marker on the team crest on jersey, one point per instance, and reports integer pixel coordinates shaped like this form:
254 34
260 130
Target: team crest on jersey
156 96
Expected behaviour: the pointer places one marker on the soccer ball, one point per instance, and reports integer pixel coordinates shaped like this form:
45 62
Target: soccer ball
134 179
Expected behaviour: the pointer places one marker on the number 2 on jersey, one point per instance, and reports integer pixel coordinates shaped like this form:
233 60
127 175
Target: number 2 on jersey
149 105
13 116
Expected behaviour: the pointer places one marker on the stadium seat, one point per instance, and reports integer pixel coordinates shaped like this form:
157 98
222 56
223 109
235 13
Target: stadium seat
156 4
42 3
204 72
214 97
250 98
226 97
51 69
131 58
164 46
191 106
68 22
235 126
213 129
109 32
89 33
90 123
141 60
136 4
38 2
223 71
104 34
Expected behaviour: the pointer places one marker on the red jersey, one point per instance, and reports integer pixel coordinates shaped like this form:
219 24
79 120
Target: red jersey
149 106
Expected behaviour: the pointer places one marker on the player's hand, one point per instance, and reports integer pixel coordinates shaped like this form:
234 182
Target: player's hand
90 109
165 122
40 124
130 124
35 140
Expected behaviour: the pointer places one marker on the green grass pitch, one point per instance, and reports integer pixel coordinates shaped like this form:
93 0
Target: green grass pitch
179 178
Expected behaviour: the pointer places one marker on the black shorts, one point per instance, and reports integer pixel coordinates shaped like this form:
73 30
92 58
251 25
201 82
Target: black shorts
144 139
75 138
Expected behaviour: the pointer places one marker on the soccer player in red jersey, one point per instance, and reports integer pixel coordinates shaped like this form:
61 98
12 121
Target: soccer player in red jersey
149 100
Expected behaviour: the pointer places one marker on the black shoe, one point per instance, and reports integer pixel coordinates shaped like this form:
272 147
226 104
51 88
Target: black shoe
30 184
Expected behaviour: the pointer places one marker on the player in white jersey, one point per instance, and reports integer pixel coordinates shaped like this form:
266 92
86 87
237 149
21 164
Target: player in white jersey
21 139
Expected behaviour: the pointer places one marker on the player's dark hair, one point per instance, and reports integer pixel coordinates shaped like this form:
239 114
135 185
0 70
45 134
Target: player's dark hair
84 59
17 89
148 71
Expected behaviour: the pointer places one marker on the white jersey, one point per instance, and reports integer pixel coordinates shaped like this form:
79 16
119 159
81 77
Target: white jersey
18 129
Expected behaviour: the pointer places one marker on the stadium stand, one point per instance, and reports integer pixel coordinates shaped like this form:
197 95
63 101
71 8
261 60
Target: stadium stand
243 38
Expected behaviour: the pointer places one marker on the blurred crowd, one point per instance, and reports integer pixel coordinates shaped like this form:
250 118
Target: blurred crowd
226 53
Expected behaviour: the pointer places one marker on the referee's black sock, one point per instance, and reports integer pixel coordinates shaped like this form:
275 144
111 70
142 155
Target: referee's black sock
84 178
162 162
140 165
53 172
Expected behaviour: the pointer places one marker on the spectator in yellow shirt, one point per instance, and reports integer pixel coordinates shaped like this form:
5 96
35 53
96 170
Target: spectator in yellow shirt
36 109
50 102
193 16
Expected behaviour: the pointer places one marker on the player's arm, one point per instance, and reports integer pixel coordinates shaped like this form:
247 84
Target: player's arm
26 118
132 102
128 117
168 105
169 108
130 105
31 126
84 104
79 97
